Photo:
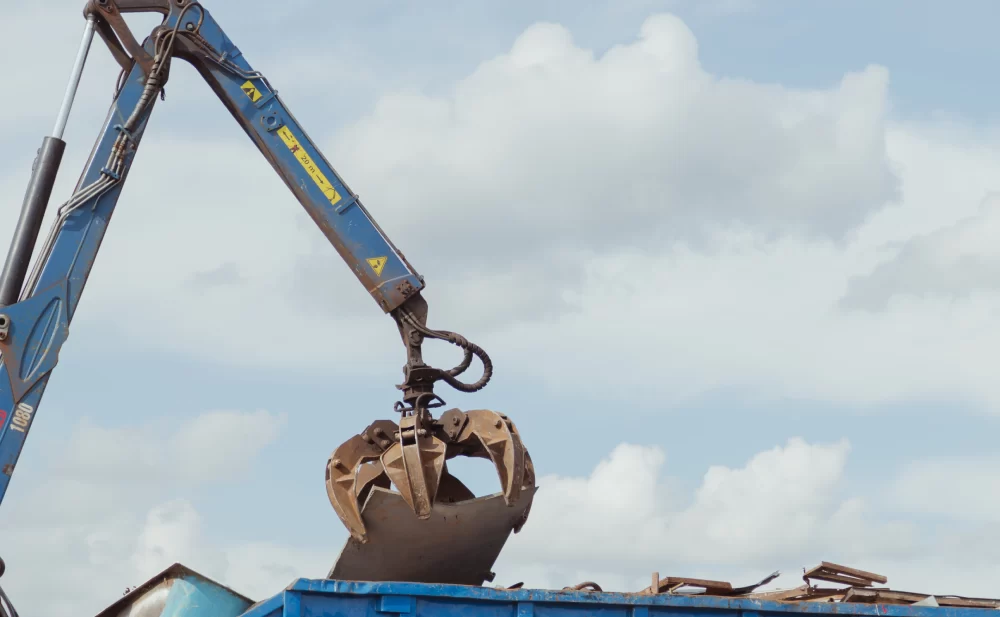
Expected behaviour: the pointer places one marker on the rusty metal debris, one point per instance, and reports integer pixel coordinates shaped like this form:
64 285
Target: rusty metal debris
859 587
413 458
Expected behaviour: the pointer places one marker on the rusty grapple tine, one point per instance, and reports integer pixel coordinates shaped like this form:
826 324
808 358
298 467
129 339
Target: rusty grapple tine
415 464
342 474
529 481
501 441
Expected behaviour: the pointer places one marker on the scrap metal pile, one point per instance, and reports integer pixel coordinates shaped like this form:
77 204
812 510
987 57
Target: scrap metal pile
857 586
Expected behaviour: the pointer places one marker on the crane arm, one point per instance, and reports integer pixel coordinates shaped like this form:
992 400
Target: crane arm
35 314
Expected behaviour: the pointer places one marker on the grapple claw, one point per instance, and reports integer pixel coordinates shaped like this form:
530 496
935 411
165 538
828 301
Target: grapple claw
342 473
414 463
491 434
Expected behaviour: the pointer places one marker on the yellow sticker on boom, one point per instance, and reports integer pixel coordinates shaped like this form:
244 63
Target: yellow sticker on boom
307 163
251 91
377 263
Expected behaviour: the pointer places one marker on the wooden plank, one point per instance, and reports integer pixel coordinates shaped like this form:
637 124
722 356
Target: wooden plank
781 594
697 582
967 602
884 596
836 568
837 578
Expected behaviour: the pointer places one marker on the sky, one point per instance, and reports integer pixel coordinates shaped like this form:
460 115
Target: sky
733 262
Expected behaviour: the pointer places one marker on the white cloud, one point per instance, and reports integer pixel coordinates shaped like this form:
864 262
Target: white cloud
115 506
565 205
786 508
548 147
785 504
209 447
169 535
957 261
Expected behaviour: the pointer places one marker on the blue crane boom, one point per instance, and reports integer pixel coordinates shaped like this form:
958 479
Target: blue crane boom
37 308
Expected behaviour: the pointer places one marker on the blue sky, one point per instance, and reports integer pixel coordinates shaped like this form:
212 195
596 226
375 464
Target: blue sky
705 316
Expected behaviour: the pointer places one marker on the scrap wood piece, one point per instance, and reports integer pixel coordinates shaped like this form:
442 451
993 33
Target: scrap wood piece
889 596
671 584
835 573
803 593
959 601
781 594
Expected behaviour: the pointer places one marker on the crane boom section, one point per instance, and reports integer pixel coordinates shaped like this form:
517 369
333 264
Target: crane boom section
34 329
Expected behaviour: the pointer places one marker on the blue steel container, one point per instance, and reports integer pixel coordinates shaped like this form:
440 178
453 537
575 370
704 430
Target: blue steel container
328 598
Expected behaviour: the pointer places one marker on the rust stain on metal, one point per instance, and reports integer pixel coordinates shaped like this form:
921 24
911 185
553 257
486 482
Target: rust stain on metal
406 289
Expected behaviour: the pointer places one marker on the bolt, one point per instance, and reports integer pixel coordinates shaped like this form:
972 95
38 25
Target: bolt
499 423
189 27
455 420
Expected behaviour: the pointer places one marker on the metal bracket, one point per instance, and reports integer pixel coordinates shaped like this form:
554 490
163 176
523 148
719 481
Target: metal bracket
267 98
31 349
344 205
272 121
117 35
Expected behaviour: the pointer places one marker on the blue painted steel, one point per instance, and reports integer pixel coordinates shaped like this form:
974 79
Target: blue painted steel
344 220
193 596
179 592
322 598
40 322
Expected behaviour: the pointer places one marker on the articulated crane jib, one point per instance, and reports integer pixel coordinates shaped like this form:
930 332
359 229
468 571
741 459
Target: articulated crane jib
37 307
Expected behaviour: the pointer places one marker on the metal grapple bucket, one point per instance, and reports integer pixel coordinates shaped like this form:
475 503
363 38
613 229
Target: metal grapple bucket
431 528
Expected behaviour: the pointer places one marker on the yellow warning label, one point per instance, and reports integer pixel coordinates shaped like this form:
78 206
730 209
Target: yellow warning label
307 163
377 263
251 91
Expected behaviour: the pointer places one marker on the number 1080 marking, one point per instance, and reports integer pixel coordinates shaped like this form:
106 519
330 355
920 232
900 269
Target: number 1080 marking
22 417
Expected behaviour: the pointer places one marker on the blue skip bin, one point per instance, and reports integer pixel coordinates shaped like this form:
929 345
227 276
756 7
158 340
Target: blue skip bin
181 592
328 598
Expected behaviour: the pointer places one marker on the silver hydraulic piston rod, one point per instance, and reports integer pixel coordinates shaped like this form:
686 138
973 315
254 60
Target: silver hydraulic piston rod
43 178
